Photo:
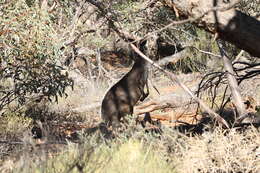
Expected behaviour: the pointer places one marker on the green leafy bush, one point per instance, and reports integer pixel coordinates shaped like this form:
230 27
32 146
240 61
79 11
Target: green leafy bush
29 55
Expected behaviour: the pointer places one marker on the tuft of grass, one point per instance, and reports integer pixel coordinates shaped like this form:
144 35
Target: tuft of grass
135 156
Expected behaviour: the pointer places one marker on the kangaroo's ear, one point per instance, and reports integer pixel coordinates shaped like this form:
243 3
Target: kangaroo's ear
142 46
142 43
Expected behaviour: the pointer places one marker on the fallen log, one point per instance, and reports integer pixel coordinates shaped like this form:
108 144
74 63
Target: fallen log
165 101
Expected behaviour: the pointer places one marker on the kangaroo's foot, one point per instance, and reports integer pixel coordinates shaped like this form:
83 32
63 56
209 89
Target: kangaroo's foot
144 95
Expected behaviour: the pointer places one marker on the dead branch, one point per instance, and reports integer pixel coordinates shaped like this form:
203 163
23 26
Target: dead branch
205 52
238 56
162 102
213 80
172 58
181 55
232 82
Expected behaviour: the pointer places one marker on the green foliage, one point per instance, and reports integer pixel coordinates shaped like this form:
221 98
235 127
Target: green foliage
29 56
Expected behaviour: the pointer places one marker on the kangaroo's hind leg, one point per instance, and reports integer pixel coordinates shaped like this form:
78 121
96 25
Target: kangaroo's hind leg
115 122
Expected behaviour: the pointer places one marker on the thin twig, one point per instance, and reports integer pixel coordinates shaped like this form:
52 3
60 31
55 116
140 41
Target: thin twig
238 56
205 52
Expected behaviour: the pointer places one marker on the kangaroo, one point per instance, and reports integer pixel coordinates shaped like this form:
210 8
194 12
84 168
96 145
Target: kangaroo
121 97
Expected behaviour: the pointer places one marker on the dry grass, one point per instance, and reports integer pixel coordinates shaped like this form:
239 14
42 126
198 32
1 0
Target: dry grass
220 152
134 150
119 156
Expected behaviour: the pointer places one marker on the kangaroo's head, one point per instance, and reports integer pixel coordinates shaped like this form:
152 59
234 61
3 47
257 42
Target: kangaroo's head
149 47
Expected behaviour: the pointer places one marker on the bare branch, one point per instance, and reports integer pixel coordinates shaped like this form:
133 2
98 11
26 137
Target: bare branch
233 84
172 58
164 101
238 56
205 52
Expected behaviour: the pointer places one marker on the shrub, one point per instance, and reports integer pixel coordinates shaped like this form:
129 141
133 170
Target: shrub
29 55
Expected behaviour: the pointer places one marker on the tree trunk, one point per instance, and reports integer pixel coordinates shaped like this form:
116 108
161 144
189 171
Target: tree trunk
231 25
